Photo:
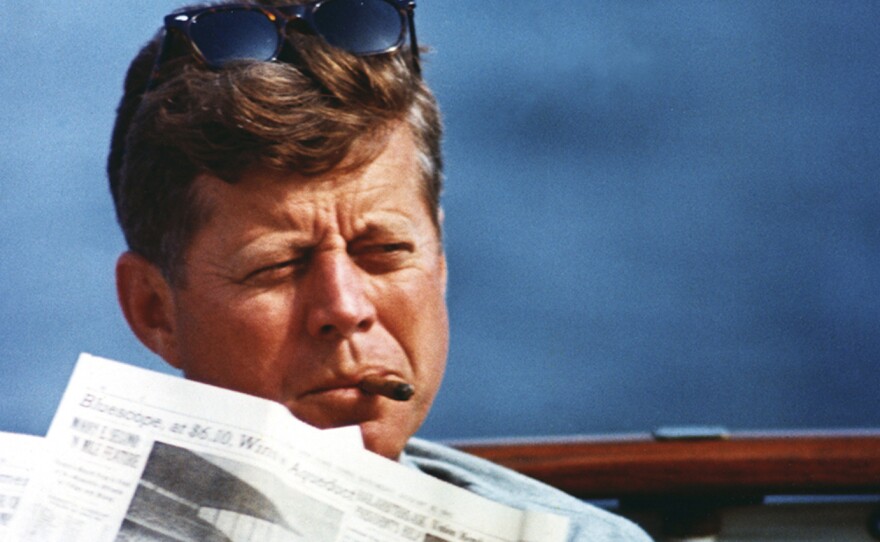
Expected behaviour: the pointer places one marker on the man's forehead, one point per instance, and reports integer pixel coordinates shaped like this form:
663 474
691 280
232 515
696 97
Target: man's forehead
382 197
393 166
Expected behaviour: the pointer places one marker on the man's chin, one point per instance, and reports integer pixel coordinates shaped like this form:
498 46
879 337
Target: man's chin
381 434
324 413
382 440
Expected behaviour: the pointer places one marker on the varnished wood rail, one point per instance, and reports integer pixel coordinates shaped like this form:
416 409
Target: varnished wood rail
638 467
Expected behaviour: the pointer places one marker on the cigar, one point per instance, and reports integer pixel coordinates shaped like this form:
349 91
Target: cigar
392 388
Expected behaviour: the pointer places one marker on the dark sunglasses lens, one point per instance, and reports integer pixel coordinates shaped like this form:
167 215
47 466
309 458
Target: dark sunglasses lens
235 34
360 26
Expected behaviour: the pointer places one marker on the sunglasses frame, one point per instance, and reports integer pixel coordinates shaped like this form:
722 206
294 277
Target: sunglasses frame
179 23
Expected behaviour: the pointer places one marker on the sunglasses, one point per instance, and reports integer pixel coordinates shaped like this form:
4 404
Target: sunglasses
222 34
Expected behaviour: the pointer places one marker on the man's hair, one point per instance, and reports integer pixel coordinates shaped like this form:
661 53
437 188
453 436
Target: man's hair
306 115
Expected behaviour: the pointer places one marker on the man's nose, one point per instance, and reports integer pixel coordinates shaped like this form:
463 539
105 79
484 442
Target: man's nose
338 302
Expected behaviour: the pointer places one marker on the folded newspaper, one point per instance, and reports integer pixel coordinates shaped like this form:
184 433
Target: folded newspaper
134 455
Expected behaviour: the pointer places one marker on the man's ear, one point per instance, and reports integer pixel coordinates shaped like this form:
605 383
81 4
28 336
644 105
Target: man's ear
441 217
147 301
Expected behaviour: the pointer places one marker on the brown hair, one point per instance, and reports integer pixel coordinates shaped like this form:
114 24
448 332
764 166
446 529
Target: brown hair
306 114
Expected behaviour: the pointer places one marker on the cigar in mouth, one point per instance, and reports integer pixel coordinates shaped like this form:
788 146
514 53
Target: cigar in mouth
392 388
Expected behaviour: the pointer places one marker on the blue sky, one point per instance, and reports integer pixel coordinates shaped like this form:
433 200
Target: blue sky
657 212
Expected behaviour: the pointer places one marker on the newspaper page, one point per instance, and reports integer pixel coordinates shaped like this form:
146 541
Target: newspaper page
19 454
141 456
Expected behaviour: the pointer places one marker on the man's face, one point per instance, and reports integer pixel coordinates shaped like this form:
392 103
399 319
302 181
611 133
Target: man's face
298 288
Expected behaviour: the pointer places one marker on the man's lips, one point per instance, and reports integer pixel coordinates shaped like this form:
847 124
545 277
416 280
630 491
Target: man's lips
374 384
390 387
341 388
344 391
336 404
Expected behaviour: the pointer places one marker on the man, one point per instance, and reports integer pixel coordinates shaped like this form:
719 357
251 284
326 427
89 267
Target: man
276 172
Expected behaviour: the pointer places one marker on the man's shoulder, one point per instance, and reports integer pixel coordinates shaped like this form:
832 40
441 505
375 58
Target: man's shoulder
505 486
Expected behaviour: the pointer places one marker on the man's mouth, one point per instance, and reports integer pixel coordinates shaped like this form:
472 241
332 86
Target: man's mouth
341 393
336 406
390 387
365 385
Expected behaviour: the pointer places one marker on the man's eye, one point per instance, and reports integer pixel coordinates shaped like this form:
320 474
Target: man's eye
383 257
395 247
386 248
276 270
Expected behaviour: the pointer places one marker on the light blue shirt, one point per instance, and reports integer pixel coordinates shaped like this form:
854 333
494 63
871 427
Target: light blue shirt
500 484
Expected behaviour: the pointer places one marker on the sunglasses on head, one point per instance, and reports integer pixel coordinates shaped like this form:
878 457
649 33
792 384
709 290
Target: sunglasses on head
222 34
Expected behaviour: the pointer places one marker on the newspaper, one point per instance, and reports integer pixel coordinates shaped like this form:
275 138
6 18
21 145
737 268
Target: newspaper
134 455
18 456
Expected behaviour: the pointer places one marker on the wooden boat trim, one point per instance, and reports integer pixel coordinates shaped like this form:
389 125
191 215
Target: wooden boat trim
738 465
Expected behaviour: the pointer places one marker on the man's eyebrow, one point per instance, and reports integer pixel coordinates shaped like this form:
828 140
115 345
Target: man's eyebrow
385 226
382 234
274 245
